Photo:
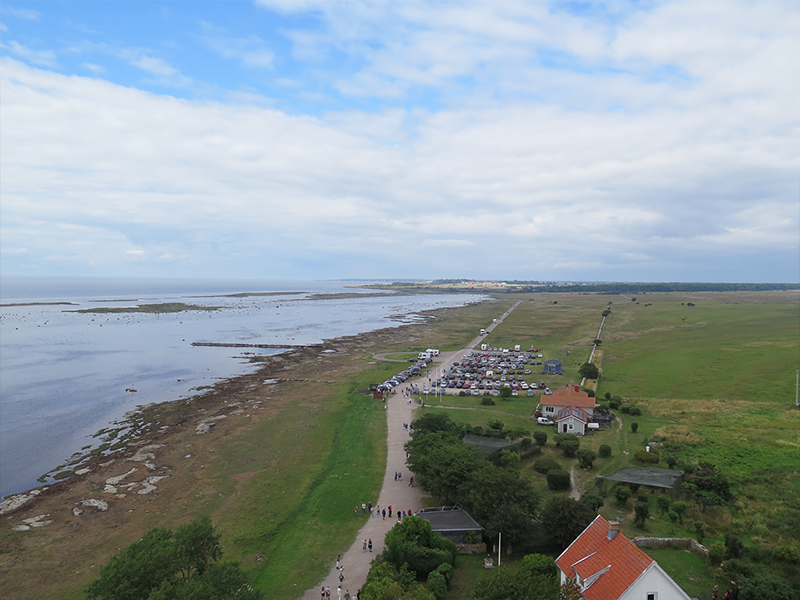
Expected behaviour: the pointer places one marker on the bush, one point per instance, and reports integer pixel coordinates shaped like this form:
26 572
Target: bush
462 393
608 396
589 371
716 554
614 402
543 465
765 587
642 513
586 458
558 480
570 447
625 409
787 554
470 537
736 568
505 393
540 437
605 451
447 570
525 443
437 584
635 411
622 494
646 458
634 427
496 424
664 503
671 461
590 393
487 401
593 500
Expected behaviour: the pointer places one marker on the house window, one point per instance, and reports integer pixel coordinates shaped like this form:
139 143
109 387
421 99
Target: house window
549 409
570 427
652 595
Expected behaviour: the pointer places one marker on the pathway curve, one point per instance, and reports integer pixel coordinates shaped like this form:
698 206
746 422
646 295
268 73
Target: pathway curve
397 494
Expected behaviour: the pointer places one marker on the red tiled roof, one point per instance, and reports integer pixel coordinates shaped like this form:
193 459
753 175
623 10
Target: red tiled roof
573 411
571 396
592 552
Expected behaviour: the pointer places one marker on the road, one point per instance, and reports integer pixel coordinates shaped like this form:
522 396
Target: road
397 494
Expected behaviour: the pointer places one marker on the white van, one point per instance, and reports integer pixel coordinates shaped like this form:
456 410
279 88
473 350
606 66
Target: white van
424 355
483 332
516 348
433 351
483 346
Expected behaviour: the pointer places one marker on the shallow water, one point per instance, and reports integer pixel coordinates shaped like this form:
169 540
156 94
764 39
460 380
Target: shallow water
63 374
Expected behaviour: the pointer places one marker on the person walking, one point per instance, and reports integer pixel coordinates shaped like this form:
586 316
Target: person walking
411 481
384 514
390 511
364 547
370 544
327 592
322 593
339 591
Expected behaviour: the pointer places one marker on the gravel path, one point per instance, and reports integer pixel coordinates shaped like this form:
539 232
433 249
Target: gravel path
397 494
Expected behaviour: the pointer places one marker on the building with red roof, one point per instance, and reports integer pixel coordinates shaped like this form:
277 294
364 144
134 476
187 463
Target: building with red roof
572 420
572 395
605 565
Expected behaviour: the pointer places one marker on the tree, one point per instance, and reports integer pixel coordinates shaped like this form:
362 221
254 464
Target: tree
642 513
565 519
634 427
671 460
437 584
664 503
413 543
593 500
765 587
679 508
496 424
505 393
733 546
586 458
540 437
172 566
605 451
589 371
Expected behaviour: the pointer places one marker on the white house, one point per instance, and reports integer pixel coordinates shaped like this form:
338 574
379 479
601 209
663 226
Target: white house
605 565
571 420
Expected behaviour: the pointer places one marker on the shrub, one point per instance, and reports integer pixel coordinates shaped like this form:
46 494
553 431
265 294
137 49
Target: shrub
671 461
622 494
487 401
525 443
593 500
608 396
462 393
558 480
736 568
634 427
625 408
543 465
570 447
642 513
645 457
496 424
437 584
589 393
733 546
635 411
586 458
605 451
787 554
540 437
765 587
615 402
470 537
699 530
716 554
447 569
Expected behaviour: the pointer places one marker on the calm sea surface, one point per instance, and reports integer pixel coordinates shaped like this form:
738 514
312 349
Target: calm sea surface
63 374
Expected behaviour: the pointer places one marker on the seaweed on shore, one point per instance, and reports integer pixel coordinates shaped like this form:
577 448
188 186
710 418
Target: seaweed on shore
167 307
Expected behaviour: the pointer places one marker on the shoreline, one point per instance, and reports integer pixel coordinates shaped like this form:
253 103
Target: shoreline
158 471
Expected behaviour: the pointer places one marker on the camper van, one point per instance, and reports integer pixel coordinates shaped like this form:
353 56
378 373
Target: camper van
432 352
424 355
516 348
483 332
483 346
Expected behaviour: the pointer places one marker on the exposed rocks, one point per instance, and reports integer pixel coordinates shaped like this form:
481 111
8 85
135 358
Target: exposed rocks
37 521
14 502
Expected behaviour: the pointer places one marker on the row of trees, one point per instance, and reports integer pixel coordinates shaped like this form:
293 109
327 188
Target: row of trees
455 473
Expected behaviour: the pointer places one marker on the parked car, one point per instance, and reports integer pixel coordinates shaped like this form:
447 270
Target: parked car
544 421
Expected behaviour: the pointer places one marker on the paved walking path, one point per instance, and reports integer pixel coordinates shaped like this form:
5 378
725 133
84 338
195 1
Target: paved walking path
397 494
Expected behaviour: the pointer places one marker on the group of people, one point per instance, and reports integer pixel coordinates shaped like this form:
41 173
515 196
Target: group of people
729 595
325 591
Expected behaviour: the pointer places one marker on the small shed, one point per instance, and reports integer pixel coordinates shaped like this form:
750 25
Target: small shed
572 420
452 522
653 477
553 366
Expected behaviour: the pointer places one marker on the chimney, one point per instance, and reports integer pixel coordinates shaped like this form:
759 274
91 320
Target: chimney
577 388
613 529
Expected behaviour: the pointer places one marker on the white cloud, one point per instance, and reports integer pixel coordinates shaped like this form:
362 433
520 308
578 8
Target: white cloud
556 145
45 58
96 69
23 13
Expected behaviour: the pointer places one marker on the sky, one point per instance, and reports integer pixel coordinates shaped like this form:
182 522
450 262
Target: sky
422 139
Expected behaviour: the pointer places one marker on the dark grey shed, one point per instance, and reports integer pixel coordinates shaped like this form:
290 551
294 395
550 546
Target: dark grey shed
452 522
553 366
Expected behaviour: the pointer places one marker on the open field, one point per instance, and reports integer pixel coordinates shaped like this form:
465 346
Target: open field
281 478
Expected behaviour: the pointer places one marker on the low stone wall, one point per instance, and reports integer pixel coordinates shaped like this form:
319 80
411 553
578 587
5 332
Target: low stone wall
689 544
471 548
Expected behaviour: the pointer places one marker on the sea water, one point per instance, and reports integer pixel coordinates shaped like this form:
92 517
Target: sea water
64 374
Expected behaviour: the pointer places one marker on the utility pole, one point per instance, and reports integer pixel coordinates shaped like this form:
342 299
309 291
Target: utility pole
796 381
499 546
